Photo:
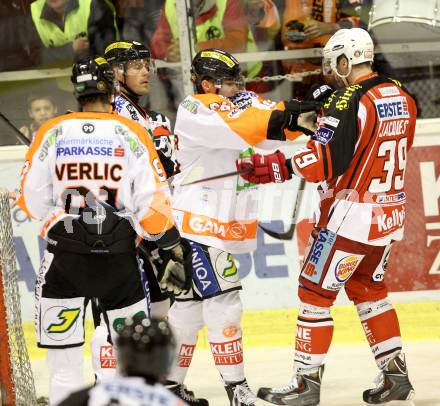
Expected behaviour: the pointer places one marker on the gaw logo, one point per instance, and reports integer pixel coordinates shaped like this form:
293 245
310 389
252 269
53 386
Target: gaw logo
67 318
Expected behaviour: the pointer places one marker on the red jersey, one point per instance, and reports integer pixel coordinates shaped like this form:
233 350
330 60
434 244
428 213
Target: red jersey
359 153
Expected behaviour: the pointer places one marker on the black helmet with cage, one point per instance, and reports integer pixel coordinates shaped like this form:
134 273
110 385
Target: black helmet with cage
121 52
146 348
217 65
92 77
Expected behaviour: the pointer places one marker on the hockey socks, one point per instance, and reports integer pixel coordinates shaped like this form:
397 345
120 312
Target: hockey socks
314 332
381 327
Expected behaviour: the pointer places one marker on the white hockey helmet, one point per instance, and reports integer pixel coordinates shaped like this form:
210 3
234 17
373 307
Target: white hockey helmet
355 43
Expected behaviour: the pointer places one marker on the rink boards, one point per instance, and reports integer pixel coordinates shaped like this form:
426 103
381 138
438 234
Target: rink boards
270 274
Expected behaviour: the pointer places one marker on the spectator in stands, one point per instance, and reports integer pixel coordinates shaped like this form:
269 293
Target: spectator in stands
219 24
40 109
309 24
140 19
73 29
264 23
19 47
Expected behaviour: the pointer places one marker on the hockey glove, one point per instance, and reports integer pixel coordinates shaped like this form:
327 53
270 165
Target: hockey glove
264 168
173 267
319 93
295 108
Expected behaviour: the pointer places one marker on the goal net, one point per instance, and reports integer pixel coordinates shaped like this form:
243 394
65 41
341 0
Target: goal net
16 379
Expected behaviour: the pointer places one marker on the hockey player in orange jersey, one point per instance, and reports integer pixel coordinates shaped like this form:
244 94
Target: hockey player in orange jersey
359 155
219 217
92 178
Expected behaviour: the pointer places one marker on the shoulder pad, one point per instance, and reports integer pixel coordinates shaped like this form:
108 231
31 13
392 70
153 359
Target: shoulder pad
341 99
396 82
215 101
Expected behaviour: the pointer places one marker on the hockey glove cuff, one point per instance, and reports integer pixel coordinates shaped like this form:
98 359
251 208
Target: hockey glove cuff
294 108
168 239
319 93
174 268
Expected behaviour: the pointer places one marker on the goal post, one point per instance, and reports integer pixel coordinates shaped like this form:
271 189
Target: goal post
16 380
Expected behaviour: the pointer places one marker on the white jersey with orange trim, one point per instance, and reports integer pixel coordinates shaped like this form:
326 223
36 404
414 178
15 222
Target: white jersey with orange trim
95 155
211 133
359 154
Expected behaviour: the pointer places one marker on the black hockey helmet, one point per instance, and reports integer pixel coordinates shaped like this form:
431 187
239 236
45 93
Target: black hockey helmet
146 347
217 65
123 51
92 76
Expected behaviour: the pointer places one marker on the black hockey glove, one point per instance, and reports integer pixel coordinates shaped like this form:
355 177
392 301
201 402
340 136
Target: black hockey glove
319 93
295 108
173 267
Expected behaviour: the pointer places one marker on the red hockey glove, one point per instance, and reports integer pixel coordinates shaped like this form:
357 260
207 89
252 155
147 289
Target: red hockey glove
264 168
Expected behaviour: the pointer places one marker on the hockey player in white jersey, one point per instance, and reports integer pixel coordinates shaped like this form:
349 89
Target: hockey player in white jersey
219 217
145 353
93 178
133 67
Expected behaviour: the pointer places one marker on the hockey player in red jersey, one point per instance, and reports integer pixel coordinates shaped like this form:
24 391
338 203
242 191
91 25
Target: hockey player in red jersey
359 155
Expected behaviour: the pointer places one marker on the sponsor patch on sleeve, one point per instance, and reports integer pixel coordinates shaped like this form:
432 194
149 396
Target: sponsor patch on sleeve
333 121
389 91
323 135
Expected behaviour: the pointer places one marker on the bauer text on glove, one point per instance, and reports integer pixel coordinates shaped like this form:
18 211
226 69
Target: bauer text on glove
269 168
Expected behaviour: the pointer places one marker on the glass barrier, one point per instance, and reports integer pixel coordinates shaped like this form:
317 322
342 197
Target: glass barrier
278 41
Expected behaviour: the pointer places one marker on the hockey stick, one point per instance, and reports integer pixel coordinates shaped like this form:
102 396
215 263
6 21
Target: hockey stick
288 235
24 140
224 175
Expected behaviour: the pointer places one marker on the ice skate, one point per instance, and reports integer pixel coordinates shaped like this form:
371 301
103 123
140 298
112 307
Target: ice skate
180 390
392 384
303 390
240 394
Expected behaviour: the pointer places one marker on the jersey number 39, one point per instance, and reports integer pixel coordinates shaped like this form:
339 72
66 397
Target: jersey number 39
394 166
